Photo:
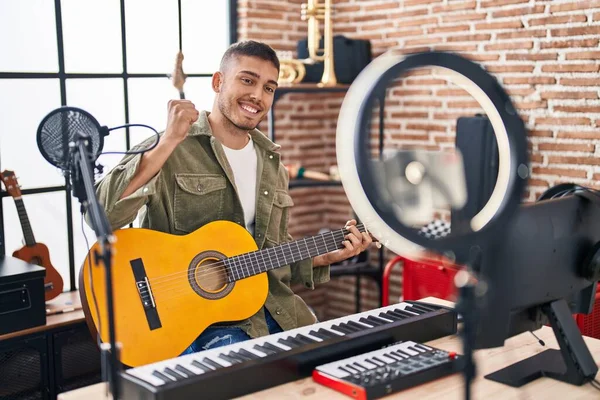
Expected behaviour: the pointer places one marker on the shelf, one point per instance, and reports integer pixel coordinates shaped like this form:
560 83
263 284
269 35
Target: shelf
309 88
300 183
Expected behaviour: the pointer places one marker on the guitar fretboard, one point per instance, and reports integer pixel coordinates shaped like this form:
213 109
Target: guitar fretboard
27 232
256 262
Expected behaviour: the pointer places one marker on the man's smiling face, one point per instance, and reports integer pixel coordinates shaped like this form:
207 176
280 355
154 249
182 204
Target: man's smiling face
247 89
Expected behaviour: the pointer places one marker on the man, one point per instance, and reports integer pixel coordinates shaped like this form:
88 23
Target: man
218 166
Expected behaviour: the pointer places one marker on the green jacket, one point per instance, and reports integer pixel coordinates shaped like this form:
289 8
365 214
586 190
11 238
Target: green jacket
196 186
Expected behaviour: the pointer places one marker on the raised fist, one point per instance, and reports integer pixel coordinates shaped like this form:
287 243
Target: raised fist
182 114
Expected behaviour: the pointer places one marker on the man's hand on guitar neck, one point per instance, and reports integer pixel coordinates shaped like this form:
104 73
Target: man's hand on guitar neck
355 243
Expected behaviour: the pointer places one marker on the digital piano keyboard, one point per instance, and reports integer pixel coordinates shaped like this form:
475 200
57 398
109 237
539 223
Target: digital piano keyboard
257 364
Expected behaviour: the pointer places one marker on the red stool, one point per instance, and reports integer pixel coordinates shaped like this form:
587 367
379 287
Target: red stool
421 278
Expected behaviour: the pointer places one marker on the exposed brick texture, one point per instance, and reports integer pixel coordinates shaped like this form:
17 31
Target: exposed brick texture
545 53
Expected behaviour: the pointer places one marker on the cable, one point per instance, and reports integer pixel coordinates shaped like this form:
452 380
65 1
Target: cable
540 341
595 384
136 151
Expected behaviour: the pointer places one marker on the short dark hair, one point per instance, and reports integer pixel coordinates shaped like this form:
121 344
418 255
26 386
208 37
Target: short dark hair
250 48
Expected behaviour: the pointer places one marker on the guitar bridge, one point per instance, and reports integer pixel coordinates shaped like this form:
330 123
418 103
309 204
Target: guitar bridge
145 292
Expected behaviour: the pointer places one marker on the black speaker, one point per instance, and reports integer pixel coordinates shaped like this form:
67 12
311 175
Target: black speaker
350 56
76 359
476 141
24 369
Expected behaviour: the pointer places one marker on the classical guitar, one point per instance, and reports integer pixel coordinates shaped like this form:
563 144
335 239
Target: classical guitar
33 252
167 289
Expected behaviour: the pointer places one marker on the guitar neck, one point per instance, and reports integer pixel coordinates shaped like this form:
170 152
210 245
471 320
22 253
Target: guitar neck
256 262
27 232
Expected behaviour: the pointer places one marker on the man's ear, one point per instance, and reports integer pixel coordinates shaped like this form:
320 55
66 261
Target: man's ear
217 81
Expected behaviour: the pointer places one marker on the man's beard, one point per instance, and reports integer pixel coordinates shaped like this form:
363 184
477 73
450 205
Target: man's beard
226 111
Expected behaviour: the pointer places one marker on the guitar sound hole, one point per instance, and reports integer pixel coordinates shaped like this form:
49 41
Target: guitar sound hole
211 276
207 275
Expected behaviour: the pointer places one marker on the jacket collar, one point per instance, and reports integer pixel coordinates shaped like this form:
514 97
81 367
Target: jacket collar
202 128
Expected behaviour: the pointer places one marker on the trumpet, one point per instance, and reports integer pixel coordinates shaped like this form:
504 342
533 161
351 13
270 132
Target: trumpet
292 70
313 11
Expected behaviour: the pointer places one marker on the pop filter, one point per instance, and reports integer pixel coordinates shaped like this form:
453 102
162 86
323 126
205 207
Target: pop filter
60 128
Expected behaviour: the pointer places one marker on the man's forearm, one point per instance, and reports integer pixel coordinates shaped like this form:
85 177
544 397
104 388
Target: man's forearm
149 166
320 261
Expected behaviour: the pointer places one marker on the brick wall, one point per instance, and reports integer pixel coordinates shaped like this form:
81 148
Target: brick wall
545 54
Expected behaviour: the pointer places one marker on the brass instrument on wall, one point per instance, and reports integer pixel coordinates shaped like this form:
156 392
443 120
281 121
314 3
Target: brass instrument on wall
292 71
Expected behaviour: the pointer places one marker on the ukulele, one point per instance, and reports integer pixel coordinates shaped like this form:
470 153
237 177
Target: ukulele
167 289
179 77
32 252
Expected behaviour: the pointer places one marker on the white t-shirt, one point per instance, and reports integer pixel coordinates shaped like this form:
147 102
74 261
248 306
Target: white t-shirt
243 162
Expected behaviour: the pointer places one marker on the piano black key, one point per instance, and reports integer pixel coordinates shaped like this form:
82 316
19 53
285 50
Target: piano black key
248 354
212 363
352 368
346 371
427 307
359 365
319 335
391 316
272 347
340 329
173 374
375 319
293 339
396 314
202 366
162 376
238 356
371 361
404 313
402 353
368 322
381 361
264 350
414 309
393 356
327 333
289 343
351 328
184 370
421 346
230 359
416 349
357 325
304 339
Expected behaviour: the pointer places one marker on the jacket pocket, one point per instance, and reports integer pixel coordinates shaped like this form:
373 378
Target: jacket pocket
198 200
277 230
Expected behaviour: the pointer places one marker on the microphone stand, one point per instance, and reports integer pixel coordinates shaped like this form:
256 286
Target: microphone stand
83 189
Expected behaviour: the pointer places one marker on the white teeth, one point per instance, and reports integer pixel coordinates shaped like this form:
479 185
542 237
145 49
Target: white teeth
250 109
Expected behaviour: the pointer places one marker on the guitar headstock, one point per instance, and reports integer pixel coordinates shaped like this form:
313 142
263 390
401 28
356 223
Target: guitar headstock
10 182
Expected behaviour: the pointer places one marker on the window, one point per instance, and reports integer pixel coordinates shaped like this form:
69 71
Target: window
111 58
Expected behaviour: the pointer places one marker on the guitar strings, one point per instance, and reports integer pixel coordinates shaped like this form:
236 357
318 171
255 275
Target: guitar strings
220 267
178 283
164 295
244 260
162 278
160 284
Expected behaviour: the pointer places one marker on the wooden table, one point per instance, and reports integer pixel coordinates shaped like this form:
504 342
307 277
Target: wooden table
451 387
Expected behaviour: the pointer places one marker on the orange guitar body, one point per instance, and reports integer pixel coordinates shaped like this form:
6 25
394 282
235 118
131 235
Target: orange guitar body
184 293
38 254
